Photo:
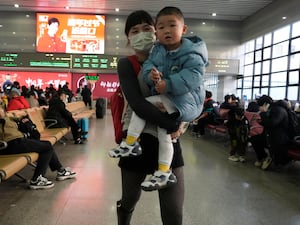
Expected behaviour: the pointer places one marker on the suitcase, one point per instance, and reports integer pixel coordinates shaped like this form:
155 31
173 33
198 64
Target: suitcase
84 125
100 108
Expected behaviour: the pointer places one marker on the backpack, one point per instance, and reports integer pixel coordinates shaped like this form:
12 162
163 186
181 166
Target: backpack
28 128
254 122
117 103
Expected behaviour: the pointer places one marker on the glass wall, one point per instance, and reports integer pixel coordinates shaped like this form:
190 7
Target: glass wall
272 65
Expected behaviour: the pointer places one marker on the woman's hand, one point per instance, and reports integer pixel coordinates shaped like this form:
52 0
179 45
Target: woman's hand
182 128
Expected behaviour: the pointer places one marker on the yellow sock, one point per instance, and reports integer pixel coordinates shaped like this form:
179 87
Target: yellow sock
130 140
164 168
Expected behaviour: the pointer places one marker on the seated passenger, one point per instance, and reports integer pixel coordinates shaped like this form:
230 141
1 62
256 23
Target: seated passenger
209 115
16 143
16 101
257 136
57 111
275 120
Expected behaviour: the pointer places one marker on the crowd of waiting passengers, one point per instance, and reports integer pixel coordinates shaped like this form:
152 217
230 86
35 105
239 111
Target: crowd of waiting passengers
267 124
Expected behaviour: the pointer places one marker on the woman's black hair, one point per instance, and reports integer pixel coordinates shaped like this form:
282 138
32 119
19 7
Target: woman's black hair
138 17
264 99
253 107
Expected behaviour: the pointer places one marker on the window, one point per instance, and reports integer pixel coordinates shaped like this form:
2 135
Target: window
247 82
267 53
240 83
249 58
279 64
294 77
248 70
257 68
292 93
265 80
272 64
264 91
277 93
248 93
280 49
256 81
295 61
295 45
296 29
266 66
278 79
258 56
249 46
281 34
267 39
258 43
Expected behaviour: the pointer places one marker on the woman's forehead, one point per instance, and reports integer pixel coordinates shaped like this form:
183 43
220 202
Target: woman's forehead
141 26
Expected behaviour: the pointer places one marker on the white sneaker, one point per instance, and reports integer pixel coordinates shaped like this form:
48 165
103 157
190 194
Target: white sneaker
41 183
159 180
258 163
66 174
233 158
266 163
242 159
125 150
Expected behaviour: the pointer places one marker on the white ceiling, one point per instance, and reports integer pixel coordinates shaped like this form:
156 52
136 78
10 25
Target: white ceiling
233 10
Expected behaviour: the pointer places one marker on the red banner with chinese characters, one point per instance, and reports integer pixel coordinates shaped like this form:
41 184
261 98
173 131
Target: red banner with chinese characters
38 79
104 87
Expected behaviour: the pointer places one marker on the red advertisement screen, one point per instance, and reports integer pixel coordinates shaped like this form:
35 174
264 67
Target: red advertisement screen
70 33
38 79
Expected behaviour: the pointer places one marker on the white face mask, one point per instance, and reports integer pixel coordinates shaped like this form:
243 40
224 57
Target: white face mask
142 41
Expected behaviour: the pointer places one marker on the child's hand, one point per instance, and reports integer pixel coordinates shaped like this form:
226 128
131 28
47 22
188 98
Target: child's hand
161 86
155 75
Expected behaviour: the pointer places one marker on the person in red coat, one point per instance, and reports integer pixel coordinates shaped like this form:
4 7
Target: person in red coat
16 101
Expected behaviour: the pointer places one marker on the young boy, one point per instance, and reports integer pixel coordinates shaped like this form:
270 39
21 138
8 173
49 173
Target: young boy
238 130
174 72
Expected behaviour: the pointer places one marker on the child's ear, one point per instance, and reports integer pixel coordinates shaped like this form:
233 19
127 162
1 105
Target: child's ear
184 29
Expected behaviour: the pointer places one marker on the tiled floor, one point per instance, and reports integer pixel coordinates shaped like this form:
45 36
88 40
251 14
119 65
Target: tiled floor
218 192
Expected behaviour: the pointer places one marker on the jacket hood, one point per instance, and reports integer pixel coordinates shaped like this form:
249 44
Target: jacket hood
197 45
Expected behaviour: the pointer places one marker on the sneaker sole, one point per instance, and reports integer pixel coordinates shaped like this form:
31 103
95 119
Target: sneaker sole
65 178
157 187
41 187
112 154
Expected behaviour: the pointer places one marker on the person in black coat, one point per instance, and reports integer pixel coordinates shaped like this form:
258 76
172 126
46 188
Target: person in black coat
57 111
87 96
275 120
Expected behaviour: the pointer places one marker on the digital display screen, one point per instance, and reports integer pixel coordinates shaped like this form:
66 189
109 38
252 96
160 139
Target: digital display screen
70 33
94 62
59 60
35 60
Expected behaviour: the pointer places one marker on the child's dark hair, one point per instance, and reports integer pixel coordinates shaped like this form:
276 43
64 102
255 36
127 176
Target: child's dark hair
170 10
208 94
138 17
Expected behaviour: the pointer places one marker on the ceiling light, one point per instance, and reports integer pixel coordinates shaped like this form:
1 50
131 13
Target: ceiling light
214 14
67 7
16 5
117 9
203 23
284 17
1 25
117 19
